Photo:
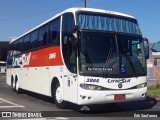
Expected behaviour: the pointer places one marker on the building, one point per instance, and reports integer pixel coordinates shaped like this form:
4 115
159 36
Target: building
3 55
153 63
156 63
3 50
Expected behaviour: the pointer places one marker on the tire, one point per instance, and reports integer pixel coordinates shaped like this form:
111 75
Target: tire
57 96
17 89
13 83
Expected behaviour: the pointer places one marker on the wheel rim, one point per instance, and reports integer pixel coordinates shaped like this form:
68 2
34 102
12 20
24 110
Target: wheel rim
58 94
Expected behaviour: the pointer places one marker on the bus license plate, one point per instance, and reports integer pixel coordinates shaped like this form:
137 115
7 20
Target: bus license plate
120 97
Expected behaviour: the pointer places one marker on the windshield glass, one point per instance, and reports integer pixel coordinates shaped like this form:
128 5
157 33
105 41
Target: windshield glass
110 54
106 22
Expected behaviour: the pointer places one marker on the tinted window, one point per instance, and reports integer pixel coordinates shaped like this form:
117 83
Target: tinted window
20 45
68 23
103 22
34 38
10 49
14 47
54 31
26 43
43 35
69 54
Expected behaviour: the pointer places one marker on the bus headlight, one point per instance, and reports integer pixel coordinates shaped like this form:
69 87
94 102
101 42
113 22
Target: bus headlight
90 87
141 85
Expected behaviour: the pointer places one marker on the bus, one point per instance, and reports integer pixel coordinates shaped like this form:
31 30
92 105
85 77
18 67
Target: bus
83 56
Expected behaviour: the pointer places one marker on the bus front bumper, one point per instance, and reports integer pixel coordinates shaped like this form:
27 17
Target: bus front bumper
88 97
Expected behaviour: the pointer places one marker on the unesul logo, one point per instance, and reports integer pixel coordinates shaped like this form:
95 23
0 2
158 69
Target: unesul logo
21 61
119 80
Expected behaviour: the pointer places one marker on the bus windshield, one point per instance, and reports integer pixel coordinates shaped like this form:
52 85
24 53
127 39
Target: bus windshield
104 22
111 54
110 46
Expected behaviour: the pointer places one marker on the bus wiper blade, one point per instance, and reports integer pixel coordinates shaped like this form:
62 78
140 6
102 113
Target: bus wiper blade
113 62
109 56
107 61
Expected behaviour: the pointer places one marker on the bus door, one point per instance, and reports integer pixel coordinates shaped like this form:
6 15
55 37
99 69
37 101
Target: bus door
70 58
70 70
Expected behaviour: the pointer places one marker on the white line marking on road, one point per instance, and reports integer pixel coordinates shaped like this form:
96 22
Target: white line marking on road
10 106
9 102
6 101
61 118
33 119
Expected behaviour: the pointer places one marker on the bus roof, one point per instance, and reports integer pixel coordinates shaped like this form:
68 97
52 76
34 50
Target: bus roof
73 10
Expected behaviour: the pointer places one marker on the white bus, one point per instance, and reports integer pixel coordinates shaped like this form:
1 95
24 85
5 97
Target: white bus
83 56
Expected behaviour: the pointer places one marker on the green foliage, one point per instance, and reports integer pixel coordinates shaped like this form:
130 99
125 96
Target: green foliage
152 90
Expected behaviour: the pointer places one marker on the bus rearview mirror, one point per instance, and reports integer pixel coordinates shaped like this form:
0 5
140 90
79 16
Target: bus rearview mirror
146 44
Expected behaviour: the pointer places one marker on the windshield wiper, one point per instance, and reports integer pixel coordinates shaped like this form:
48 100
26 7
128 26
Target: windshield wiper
112 57
109 56
112 63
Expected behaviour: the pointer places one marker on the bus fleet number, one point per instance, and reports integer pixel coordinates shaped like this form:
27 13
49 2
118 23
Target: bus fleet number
92 80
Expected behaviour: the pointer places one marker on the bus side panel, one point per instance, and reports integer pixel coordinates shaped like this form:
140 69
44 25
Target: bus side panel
38 80
8 76
23 78
36 69
55 72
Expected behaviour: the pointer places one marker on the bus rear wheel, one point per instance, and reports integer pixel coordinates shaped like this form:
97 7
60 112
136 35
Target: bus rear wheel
17 89
57 95
13 83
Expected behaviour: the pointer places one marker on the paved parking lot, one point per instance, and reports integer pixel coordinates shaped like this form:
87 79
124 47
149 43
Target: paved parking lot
31 102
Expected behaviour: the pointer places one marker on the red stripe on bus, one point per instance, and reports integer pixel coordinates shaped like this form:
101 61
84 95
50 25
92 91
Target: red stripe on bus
50 56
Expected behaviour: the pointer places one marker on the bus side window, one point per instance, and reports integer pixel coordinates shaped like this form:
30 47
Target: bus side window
20 45
54 32
15 47
69 54
34 38
10 53
26 43
43 36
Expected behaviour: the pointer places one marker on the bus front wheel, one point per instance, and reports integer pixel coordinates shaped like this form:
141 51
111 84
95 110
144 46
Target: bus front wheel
58 99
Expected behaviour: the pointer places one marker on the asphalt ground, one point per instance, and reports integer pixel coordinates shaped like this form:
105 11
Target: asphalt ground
26 104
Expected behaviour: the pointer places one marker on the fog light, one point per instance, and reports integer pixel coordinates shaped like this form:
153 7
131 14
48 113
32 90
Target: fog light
143 95
89 98
83 97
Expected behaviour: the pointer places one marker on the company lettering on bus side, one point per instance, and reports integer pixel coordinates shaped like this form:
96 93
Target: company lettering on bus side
21 61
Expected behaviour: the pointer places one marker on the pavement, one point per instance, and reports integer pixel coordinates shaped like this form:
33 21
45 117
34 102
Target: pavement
27 103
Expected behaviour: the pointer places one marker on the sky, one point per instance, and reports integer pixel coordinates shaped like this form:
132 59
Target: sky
19 16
